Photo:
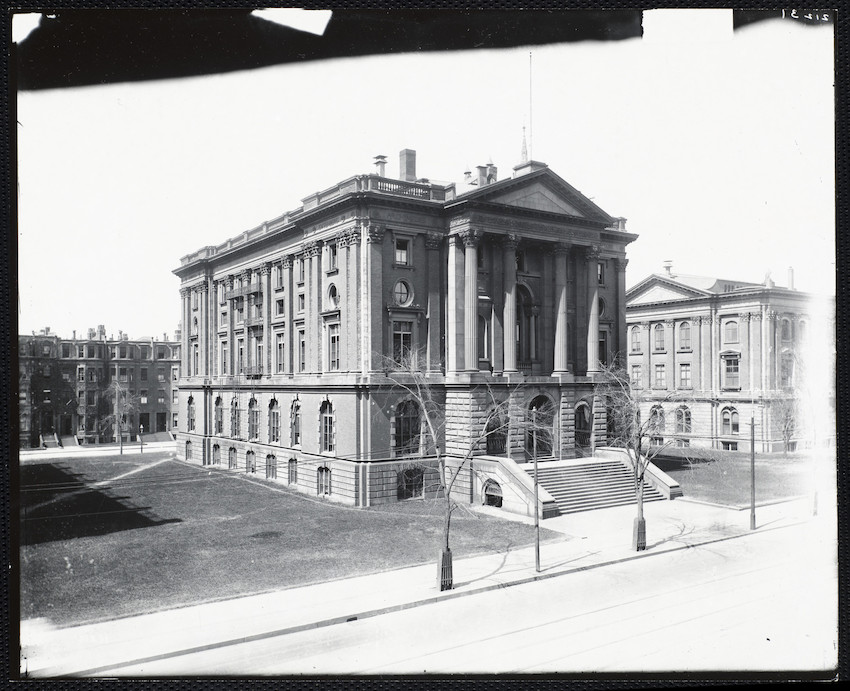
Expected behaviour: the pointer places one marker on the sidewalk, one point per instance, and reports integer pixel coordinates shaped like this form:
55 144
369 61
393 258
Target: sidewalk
130 448
590 540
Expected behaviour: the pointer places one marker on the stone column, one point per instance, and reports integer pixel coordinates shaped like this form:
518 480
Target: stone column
561 360
435 320
203 329
231 317
185 311
454 308
592 310
373 298
622 345
509 245
312 320
470 301
354 298
288 304
268 299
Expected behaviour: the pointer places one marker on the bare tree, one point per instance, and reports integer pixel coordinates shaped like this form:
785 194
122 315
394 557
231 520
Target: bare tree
643 439
407 372
122 404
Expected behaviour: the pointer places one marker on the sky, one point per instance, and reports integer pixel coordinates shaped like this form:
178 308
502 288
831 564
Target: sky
718 149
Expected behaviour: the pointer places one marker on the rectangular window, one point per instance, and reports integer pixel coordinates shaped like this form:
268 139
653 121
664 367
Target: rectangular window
160 397
600 273
81 373
685 375
143 374
301 302
122 352
240 356
660 377
332 257
174 420
333 346
223 351
603 347
296 425
402 251
637 376
174 396
91 397
89 353
143 396
122 374
278 307
66 350
278 276
174 374
81 351
160 353
731 373
194 299
274 425
402 340
143 352
302 351
299 270
730 445
222 320
279 349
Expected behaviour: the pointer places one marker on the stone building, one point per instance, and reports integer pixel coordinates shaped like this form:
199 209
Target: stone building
297 333
711 354
63 384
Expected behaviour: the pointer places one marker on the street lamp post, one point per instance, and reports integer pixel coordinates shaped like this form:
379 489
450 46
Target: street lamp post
536 502
141 444
752 473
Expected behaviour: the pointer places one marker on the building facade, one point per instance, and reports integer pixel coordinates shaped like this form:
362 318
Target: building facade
297 334
712 355
64 387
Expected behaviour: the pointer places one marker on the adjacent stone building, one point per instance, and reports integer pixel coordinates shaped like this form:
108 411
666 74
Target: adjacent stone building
63 384
297 334
711 354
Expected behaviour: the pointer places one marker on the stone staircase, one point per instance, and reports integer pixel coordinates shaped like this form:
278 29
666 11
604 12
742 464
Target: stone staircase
592 484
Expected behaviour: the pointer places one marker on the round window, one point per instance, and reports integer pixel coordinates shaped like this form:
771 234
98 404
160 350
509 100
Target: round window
333 296
401 293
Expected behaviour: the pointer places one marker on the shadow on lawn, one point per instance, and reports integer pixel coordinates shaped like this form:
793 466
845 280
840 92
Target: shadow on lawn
56 504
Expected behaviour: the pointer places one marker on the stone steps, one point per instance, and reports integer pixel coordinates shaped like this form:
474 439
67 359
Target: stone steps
592 485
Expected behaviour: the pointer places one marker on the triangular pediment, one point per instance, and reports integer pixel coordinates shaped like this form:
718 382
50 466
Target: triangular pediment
537 197
655 289
541 190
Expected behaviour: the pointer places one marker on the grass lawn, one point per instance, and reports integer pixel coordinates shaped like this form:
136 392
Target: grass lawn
171 534
723 477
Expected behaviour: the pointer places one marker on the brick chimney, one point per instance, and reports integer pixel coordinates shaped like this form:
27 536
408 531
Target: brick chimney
407 165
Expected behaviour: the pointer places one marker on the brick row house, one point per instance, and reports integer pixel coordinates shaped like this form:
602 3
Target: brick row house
297 332
63 386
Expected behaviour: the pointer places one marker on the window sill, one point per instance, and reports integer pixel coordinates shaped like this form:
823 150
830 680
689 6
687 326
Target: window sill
331 272
685 350
402 266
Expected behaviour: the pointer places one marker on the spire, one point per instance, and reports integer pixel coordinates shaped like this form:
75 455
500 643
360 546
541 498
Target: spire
524 158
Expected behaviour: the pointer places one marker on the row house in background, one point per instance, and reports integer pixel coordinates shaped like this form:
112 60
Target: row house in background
710 354
298 332
63 386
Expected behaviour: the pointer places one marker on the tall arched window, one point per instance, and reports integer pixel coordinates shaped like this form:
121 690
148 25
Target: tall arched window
730 331
497 433
582 424
292 471
250 462
295 423
231 458
327 431
483 338
274 422
634 335
188 451
191 414
541 418
216 459
656 425
684 336
683 420
658 337
730 421
323 481
253 419
271 467
234 418
219 416
786 330
408 424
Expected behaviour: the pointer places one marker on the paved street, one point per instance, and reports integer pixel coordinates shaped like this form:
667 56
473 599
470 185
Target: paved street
708 596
